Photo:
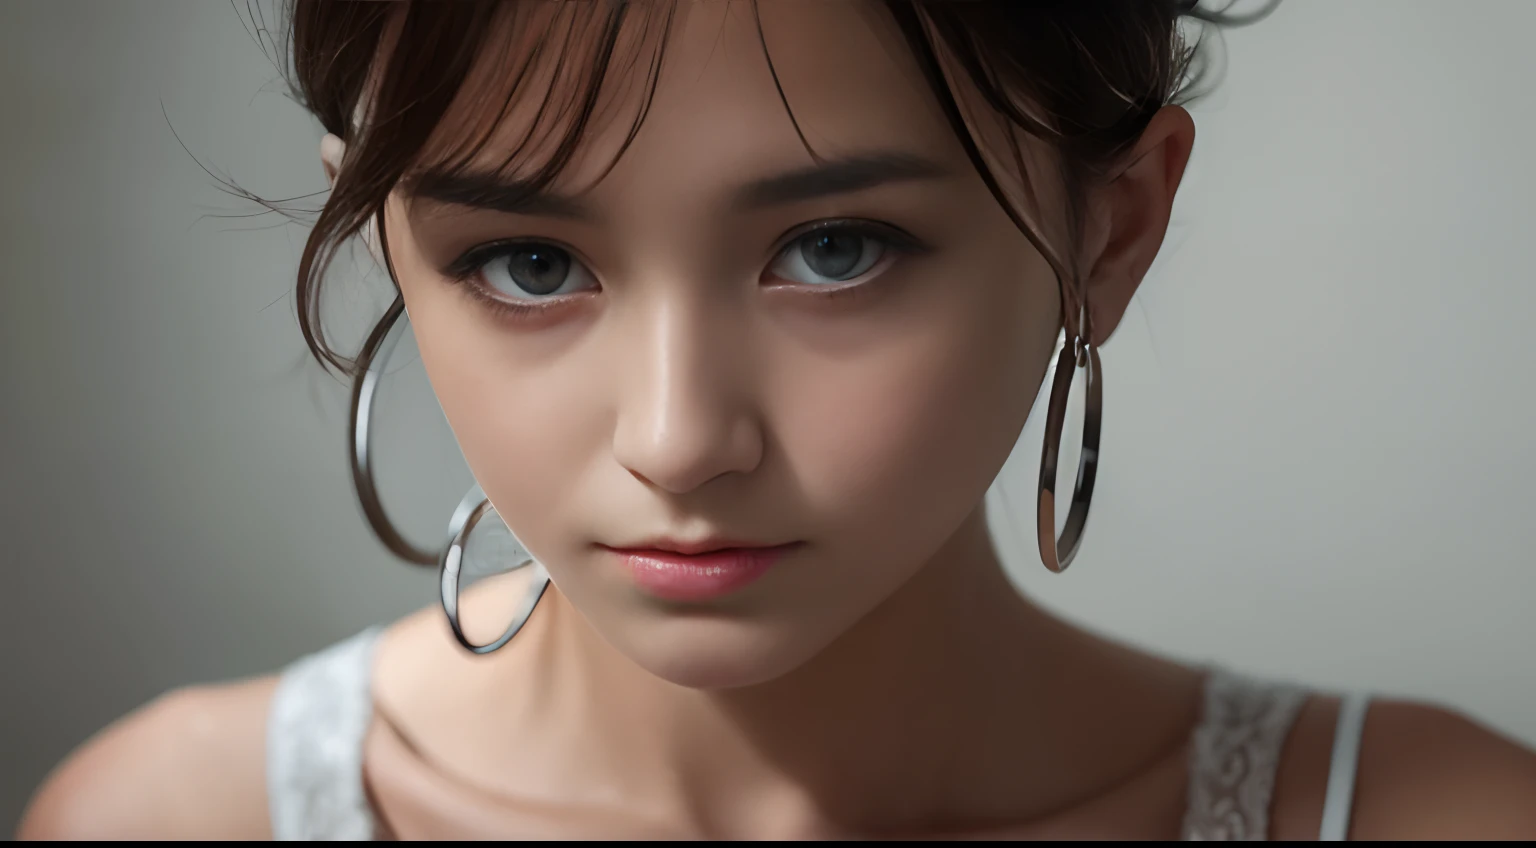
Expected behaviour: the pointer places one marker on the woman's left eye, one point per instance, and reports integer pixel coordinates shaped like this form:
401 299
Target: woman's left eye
831 255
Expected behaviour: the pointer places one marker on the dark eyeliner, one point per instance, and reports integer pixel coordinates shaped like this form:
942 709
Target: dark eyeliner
471 261
890 234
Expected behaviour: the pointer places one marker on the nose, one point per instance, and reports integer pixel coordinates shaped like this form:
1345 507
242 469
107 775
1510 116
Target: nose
686 415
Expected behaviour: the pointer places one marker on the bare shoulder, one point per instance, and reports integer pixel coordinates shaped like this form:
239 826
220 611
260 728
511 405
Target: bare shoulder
188 765
1431 773
1425 772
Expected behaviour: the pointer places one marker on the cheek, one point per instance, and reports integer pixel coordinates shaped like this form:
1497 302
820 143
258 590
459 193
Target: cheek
525 422
896 445
520 406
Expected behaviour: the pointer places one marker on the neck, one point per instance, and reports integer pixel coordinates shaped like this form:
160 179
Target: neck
954 705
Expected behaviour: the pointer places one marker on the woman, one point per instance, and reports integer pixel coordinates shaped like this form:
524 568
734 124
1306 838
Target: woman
736 311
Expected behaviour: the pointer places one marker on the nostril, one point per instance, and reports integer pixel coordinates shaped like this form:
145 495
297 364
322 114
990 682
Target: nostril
680 461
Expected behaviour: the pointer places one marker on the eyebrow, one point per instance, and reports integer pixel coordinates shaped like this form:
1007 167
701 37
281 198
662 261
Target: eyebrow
499 193
837 176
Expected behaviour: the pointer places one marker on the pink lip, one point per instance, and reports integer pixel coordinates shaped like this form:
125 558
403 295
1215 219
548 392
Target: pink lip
698 577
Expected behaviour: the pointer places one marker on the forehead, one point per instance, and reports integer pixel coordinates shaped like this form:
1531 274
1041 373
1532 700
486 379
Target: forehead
721 86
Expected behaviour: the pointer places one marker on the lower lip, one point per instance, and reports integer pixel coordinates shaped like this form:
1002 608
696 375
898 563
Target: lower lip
699 577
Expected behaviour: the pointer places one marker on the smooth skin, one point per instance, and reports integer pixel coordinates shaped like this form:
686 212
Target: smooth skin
886 679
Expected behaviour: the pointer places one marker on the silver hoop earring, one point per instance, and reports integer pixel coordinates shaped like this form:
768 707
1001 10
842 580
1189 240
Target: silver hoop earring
1076 352
450 562
471 510
375 355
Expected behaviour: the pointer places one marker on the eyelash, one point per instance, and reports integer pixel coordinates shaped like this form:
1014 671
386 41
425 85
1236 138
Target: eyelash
463 270
502 307
894 239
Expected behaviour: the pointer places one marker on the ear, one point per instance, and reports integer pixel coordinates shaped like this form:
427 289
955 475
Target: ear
333 151
1128 217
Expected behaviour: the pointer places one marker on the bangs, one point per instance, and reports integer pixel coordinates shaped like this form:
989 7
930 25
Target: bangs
423 90
516 90
543 77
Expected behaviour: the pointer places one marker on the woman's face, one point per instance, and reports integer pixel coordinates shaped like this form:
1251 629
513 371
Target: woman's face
723 337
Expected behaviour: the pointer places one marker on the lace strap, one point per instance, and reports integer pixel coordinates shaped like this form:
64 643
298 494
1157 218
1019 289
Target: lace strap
1235 754
319 715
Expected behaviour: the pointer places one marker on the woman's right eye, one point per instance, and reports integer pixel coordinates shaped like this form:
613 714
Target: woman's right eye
530 271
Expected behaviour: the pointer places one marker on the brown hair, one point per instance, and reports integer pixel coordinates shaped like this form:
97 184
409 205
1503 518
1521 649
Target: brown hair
1085 76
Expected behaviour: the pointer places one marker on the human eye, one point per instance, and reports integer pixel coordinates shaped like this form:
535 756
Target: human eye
828 253
522 272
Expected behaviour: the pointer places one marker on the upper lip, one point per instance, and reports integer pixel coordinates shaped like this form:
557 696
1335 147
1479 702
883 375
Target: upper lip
689 548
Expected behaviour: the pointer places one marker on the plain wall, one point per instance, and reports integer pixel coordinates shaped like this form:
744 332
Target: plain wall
1317 451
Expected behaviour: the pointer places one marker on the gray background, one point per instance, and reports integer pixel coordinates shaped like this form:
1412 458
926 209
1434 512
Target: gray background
1318 458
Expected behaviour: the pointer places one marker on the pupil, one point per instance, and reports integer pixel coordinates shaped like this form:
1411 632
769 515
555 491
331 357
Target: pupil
539 270
833 255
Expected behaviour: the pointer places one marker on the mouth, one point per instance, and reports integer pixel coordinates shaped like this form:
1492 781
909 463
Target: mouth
698 571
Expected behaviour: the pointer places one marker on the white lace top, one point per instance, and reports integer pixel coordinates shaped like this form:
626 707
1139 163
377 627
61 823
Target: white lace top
323 705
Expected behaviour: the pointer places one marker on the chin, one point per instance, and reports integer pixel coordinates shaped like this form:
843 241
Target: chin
718 654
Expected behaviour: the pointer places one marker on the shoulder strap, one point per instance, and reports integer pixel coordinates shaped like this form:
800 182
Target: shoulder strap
1341 775
1234 755
319 715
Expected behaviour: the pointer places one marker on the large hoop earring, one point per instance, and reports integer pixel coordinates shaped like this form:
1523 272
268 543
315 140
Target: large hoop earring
1076 352
471 510
375 355
450 562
